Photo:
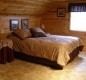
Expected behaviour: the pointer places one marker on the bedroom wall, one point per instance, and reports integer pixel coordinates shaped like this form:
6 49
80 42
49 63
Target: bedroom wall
60 25
5 21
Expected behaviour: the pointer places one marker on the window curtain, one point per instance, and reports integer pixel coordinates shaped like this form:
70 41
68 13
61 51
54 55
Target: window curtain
77 7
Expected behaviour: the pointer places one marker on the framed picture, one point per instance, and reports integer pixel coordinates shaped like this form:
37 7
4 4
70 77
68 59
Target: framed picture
14 24
61 12
24 23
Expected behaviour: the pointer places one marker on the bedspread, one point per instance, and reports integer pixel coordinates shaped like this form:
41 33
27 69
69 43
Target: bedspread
53 47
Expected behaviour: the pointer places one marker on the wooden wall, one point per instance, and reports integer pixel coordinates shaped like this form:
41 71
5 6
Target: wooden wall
5 21
53 24
60 25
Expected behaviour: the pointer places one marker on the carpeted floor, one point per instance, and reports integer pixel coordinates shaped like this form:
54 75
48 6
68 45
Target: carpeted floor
22 70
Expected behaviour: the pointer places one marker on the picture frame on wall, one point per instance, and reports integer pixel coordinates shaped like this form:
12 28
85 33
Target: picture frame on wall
61 12
14 24
24 23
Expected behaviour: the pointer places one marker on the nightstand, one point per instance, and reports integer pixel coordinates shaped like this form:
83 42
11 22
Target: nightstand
6 51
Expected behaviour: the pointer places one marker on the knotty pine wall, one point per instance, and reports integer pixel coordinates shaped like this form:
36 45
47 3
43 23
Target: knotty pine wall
60 25
5 21
53 24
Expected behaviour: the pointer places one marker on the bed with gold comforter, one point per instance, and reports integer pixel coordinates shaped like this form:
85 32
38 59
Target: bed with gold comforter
53 47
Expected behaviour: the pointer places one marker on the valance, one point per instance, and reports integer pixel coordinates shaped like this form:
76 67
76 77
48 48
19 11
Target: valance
77 7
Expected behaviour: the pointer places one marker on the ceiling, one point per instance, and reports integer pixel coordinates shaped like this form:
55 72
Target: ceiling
28 7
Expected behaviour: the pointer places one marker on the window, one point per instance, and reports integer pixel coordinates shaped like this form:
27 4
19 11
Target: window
78 21
78 16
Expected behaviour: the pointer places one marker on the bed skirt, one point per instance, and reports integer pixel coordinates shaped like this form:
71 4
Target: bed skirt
43 61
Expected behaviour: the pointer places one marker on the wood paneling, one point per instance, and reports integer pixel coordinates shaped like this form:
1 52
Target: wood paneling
33 9
36 7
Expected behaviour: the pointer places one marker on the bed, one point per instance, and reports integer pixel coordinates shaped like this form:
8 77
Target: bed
56 49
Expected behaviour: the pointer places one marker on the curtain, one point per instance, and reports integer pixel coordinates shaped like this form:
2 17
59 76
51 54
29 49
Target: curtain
77 7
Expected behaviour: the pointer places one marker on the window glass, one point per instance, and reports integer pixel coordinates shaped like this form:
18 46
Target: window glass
78 21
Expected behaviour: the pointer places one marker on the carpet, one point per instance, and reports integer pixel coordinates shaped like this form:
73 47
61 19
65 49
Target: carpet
23 70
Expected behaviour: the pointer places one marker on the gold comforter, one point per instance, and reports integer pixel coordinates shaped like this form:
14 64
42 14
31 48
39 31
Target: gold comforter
53 47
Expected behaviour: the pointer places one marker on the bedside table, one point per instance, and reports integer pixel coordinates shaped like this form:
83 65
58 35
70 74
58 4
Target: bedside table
6 51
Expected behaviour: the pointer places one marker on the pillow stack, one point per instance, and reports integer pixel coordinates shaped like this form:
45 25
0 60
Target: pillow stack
28 33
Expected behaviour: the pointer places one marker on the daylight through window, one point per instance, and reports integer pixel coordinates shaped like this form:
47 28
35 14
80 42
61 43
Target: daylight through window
78 21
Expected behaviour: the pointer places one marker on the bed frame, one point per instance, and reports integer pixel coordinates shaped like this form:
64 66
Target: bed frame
44 61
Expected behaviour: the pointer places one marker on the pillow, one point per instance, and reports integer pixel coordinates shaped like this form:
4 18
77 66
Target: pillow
37 32
22 33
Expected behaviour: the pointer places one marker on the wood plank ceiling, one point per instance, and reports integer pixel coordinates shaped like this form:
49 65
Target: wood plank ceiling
28 7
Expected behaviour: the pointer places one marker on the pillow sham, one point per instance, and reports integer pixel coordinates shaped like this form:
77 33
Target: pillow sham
37 32
23 33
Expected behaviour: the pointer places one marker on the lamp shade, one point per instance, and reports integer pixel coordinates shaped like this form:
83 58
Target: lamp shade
43 26
1 30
